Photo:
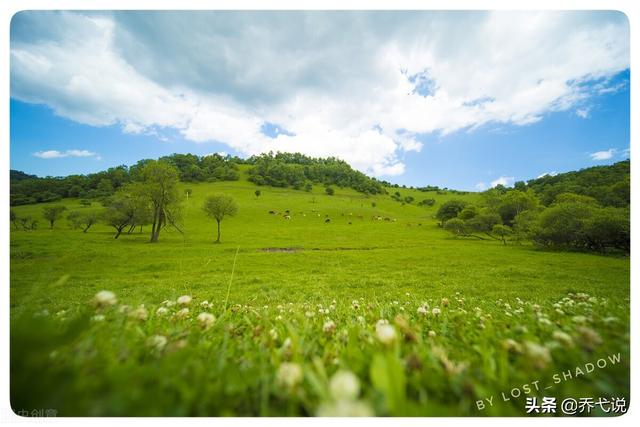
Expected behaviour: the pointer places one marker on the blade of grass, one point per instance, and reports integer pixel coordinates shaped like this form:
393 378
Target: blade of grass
233 269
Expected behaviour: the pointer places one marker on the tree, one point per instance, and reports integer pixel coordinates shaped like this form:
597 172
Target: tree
608 227
82 220
53 213
502 231
563 225
218 207
308 187
450 209
27 223
456 226
120 212
515 202
160 188
330 191
257 193
468 213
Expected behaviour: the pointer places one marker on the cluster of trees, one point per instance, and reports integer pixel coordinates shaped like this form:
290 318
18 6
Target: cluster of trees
301 172
570 220
28 189
151 198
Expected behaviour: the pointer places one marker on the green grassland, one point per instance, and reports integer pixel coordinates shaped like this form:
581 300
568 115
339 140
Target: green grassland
503 301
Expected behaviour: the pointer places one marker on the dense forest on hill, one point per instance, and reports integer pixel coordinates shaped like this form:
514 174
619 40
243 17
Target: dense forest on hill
279 170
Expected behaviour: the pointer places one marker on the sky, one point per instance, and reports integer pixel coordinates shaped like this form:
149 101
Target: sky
464 100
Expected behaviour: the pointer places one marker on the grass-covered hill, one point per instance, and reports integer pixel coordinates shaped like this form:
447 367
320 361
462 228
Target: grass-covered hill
379 311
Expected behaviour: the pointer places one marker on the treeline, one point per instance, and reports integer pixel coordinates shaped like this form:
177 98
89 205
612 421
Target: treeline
301 172
594 215
278 170
27 189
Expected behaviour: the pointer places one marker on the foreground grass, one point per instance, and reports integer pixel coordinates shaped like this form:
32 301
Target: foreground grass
498 328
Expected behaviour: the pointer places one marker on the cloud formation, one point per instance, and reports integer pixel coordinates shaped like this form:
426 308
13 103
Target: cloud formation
603 155
55 154
360 86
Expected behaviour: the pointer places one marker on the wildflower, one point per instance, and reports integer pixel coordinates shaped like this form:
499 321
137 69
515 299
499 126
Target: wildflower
206 320
168 303
382 322
289 375
104 299
435 311
579 319
98 318
184 300
345 408
157 342
563 338
539 355
610 319
445 302
355 304
361 319
273 334
535 307
161 311
278 317
431 334
386 334
329 327
286 344
544 321
182 314
344 385
139 313
422 310
511 346
589 338
206 304
309 314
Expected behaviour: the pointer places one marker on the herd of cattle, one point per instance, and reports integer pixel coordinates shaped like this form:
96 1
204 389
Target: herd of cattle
287 216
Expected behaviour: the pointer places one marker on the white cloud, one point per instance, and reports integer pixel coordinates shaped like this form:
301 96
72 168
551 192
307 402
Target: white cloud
507 181
583 113
55 154
603 155
553 173
481 186
341 84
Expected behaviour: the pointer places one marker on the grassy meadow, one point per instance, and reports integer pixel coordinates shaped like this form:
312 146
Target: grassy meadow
354 316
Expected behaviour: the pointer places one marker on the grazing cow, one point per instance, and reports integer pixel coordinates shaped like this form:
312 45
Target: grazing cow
328 220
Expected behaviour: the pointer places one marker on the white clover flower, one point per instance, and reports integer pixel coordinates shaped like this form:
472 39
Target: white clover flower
162 311
361 319
182 314
329 327
560 312
206 304
98 318
139 313
344 385
169 303
382 322
407 294
386 334
579 319
289 375
309 314
422 310
511 346
104 299
273 334
563 338
206 320
445 302
184 300
287 343
538 355
431 334
157 342
345 408
589 338
544 321
435 311
278 317
124 309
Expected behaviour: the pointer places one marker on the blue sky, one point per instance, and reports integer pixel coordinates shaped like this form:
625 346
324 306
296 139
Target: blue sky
462 100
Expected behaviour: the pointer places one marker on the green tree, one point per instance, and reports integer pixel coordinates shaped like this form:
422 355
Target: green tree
160 188
514 202
82 220
450 209
468 213
53 213
608 228
456 226
563 224
218 207
502 231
